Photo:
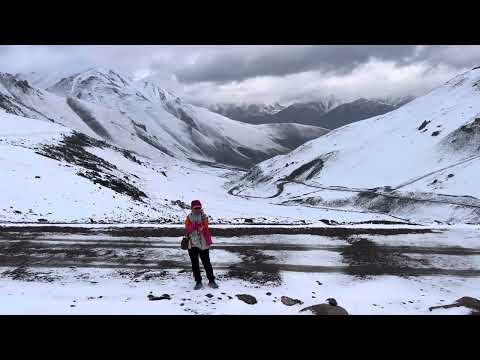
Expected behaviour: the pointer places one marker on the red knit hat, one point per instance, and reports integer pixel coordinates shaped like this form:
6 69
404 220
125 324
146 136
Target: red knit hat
196 204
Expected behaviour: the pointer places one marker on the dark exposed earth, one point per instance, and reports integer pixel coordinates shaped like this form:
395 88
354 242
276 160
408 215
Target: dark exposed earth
31 253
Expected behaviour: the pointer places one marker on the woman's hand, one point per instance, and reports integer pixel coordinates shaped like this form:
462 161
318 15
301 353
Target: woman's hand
200 228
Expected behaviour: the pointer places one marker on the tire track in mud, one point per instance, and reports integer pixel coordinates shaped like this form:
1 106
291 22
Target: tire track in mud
360 257
249 272
233 247
19 232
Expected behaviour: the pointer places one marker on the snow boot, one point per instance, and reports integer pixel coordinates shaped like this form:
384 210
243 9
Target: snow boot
213 285
198 286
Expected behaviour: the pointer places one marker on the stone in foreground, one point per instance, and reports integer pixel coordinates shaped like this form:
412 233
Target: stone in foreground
290 302
249 299
331 308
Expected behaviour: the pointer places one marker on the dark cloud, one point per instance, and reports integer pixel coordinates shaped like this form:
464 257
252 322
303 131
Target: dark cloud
457 56
286 60
247 73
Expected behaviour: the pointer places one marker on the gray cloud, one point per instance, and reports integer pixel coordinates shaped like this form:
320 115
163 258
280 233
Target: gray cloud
239 65
453 55
247 73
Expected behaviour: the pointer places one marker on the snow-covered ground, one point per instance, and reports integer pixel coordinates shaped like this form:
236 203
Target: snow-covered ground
100 147
34 186
418 162
65 273
382 295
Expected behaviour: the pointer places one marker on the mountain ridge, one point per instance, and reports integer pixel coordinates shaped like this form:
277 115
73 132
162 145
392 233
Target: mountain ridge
417 162
143 117
323 113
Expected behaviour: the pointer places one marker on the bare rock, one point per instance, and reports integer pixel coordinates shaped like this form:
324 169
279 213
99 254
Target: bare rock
466 301
289 301
331 308
163 297
249 299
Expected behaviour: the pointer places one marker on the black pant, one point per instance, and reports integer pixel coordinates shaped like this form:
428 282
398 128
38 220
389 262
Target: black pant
205 256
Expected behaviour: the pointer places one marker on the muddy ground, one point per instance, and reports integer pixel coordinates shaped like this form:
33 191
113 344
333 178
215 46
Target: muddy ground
28 252
9 231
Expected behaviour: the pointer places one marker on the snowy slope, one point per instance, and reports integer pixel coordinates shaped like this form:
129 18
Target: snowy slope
402 151
352 112
161 119
127 146
145 118
53 173
36 183
44 79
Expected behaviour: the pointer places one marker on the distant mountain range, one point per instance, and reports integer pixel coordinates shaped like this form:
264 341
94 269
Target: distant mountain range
143 117
100 146
248 113
329 112
417 163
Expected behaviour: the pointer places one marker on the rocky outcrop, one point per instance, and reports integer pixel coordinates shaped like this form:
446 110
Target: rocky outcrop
331 308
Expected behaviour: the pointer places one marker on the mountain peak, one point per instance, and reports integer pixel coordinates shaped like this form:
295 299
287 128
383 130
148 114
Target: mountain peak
395 101
108 72
90 81
234 110
322 104
10 82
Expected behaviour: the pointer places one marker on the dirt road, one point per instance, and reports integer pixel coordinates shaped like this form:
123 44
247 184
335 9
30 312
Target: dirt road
147 253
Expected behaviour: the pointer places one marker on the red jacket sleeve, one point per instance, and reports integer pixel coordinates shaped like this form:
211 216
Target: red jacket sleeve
189 227
206 232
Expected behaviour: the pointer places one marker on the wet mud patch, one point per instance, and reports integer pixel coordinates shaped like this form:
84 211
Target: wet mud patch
23 273
364 258
38 254
381 222
273 229
254 267
36 250
137 275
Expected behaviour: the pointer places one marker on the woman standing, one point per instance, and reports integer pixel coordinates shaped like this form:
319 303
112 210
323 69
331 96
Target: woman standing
196 228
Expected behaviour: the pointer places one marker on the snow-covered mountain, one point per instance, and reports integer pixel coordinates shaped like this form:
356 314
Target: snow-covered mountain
323 104
249 113
395 101
45 79
306 113
420 162
299 113
329 112
353 111
51 173
99 146
142 117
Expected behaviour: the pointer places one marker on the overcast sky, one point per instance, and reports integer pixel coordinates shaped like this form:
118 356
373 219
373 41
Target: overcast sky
261 74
